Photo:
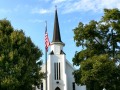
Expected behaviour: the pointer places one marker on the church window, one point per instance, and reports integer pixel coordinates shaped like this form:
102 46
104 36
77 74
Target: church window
41 86
57 71
73 85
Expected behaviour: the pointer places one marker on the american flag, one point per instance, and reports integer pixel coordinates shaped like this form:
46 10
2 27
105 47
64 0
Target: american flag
47 43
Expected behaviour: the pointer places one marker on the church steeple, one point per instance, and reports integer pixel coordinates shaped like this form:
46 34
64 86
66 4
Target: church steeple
57 44
56 33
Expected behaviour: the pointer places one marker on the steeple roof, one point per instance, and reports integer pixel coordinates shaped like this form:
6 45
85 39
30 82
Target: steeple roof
56 33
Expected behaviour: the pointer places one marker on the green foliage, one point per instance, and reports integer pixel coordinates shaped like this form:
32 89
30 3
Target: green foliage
18 57
101 52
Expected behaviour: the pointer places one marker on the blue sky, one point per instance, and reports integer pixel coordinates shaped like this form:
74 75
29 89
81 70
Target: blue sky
30 16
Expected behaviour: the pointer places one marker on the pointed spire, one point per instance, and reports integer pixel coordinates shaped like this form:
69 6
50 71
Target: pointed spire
56 33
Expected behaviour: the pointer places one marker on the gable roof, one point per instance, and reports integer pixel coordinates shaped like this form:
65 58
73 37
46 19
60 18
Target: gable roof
70 64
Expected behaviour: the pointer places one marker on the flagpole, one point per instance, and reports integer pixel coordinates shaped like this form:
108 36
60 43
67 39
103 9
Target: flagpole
46 58
46 66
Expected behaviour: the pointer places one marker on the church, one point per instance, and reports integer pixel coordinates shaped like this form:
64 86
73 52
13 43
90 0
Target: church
59 69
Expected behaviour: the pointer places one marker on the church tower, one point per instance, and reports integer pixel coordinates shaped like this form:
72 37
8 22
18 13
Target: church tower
59 70
57 79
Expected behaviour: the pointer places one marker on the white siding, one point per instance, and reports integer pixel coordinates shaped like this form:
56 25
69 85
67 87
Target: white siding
70 78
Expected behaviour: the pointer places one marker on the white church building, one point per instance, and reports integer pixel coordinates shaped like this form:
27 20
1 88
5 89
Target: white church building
59 70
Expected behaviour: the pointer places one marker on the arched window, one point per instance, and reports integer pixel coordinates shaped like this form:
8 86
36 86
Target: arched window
57 88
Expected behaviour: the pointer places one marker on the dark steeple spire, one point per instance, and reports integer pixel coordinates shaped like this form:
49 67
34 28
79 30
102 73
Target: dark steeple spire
56 33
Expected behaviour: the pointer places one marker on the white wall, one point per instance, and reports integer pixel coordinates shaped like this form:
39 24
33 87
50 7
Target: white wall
62 82
70 78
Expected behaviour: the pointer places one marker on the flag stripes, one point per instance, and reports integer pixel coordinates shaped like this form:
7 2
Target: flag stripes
47 43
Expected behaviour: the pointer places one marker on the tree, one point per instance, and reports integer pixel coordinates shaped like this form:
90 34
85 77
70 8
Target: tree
19 59
100 55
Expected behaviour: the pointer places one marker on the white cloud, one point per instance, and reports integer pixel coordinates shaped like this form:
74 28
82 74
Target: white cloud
89 5
106 4
44 0
58 1
69 6
40 11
